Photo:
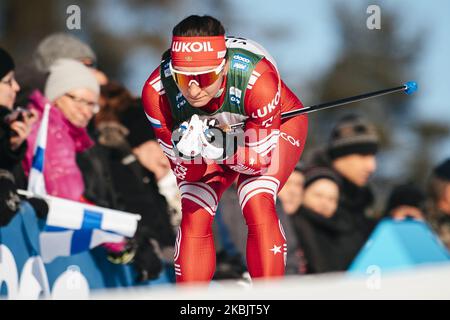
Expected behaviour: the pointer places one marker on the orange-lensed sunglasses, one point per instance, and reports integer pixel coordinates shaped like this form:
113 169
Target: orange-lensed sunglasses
202 78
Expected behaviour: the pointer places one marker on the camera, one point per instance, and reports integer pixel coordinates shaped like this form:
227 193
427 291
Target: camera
17 114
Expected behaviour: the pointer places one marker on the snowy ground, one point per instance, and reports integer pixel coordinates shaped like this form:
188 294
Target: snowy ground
422 283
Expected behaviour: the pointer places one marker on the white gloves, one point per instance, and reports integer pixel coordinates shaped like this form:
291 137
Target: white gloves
190 144
196 139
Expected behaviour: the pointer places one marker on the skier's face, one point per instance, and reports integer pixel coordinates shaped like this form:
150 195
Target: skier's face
195 94
356 167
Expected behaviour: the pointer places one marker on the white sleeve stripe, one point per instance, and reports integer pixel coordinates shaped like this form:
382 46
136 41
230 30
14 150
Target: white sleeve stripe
266 145
252 79
198 201
256 73
158 86
268 150
165 144
173 158
256 143
153 120
154 80
167 150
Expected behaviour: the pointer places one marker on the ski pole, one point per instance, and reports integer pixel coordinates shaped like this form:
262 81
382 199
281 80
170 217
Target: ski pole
409 88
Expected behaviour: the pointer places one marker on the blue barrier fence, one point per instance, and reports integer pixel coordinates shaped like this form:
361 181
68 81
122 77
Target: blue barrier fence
19 243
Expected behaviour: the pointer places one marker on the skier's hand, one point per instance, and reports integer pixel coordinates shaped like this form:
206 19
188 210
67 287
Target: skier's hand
213 140
187 139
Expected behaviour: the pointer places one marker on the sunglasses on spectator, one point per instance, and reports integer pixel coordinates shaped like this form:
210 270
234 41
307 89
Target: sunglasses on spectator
93 105
202 79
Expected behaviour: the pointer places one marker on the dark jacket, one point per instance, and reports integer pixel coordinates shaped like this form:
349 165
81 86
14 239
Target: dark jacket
318 239
440 222
112 182
114 178
11 160
354 205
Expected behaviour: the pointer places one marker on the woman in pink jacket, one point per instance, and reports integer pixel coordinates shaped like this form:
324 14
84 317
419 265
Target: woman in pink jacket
73 93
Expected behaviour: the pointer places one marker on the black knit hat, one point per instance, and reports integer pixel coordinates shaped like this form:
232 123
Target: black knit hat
313 174
6 63
442 171
406 195
352 135
300 166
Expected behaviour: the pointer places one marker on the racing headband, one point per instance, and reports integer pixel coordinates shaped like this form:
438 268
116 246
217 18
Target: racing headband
198 51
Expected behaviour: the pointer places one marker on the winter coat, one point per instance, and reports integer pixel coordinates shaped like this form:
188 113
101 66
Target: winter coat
318 239
114 178
10 160
354 205
62 175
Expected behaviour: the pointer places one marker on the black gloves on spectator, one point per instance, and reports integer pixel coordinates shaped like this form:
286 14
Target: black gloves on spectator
40 207
229 266
144 254
9 199
147 261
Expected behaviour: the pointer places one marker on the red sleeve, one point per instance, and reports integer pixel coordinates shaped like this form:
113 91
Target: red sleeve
157 110
266 97
262 128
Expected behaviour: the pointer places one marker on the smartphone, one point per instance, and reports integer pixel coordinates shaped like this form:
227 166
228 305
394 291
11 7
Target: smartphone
17 114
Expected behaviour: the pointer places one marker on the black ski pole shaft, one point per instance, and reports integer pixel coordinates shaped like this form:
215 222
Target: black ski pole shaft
408 88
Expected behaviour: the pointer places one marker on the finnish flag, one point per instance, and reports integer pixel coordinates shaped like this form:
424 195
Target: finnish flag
73 227
36 182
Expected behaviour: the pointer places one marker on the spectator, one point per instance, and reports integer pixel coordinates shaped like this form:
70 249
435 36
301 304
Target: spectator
120 112
351 152
15 126
72 91
291 197
317 225
114 177
439 194
292 193
64 46
406 201
33 75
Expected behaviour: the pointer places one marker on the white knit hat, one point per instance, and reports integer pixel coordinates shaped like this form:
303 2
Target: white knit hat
67 75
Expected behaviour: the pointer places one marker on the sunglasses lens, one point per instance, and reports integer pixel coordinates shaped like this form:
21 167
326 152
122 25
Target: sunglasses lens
202 80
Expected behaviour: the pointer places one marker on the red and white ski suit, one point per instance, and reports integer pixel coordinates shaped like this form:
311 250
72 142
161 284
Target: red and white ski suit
258 180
